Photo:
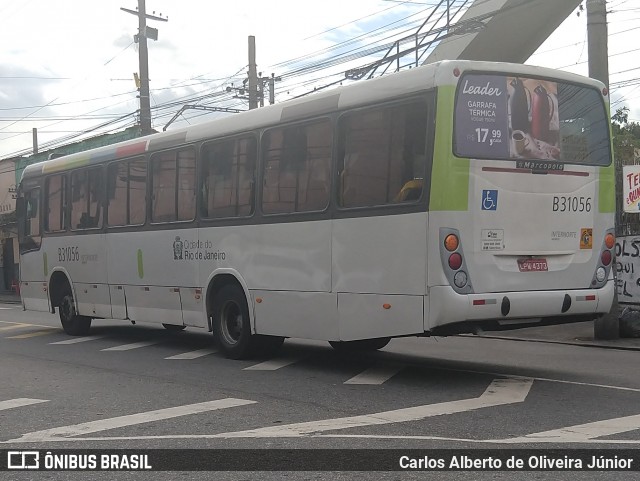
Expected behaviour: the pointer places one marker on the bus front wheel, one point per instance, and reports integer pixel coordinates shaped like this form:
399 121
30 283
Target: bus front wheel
361 345
72 323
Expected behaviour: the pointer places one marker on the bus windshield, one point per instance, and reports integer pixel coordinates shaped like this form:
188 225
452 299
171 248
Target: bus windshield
507 117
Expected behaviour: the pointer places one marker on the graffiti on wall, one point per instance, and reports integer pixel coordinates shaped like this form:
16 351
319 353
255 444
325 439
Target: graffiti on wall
628 269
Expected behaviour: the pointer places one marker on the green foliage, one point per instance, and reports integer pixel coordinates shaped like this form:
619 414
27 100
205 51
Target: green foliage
626 135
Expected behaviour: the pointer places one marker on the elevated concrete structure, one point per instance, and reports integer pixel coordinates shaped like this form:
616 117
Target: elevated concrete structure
503 30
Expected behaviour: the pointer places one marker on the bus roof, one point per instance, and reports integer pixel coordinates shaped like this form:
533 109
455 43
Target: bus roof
360 93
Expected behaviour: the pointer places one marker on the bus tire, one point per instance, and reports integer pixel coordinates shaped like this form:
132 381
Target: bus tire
231 323
173 327
361 345
72 323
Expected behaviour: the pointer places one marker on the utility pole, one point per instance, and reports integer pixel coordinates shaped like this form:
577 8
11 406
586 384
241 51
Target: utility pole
608 326
253 74
597 40
34 135
144 32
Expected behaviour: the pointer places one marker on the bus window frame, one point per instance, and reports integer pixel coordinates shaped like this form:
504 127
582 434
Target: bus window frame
299 215
149 196
532 77
65 203
147 185
429 98
101 198
255 135
35 184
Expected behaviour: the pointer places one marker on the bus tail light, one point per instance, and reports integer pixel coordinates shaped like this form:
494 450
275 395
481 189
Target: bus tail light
609 240
453 263
605 260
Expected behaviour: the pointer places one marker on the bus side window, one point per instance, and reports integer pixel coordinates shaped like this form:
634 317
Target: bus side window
55 202
228 173
384 155
297 168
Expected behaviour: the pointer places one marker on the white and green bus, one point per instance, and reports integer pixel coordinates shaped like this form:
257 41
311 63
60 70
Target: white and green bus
445 199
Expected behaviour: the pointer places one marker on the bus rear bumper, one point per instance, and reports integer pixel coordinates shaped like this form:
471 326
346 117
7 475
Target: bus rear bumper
448 307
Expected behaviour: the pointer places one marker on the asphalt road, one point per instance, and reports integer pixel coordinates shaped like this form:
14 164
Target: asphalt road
134 387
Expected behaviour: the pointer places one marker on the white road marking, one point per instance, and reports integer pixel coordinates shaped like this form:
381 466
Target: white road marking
583 432
14 326
193 354
272 364
31 334
133 345
29 325
16 403
65 432
3 308
375 375
499 392
76 340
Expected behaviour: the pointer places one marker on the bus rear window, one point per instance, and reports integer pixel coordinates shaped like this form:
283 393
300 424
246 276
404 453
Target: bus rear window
506 117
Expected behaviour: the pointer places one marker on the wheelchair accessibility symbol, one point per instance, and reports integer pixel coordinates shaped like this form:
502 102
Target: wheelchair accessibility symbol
489 199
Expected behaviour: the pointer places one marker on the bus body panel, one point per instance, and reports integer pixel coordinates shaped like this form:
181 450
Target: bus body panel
524 225
118 302
380 255
370 316
158 304
305 315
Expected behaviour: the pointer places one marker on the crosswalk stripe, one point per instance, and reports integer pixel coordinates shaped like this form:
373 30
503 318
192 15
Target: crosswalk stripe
583 432
133 345
32 334
375 375
499 392
76 340
19 402
131 419
14 326
272 364
193 354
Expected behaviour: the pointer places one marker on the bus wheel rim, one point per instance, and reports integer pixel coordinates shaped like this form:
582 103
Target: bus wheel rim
232 323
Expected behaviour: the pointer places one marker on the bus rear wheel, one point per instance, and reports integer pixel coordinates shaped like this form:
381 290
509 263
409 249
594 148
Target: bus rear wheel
72 323
361 345
231 325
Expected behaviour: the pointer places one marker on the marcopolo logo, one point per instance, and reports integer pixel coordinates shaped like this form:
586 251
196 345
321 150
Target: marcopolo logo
23 460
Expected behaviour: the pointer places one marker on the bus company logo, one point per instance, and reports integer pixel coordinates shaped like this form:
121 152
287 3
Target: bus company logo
178 249
489 199
196 250
23 460
586 238
539 165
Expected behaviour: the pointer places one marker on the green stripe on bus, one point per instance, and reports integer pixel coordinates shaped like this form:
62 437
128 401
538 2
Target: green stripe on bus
45 264
140 265
450 174
607 186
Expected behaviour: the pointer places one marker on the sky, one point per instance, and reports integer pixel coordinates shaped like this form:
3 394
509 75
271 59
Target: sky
66 66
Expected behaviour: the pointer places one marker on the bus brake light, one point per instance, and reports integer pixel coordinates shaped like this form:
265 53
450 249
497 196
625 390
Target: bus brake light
455 261
606 257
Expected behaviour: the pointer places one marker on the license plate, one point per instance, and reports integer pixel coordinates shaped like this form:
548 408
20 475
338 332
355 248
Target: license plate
532 265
